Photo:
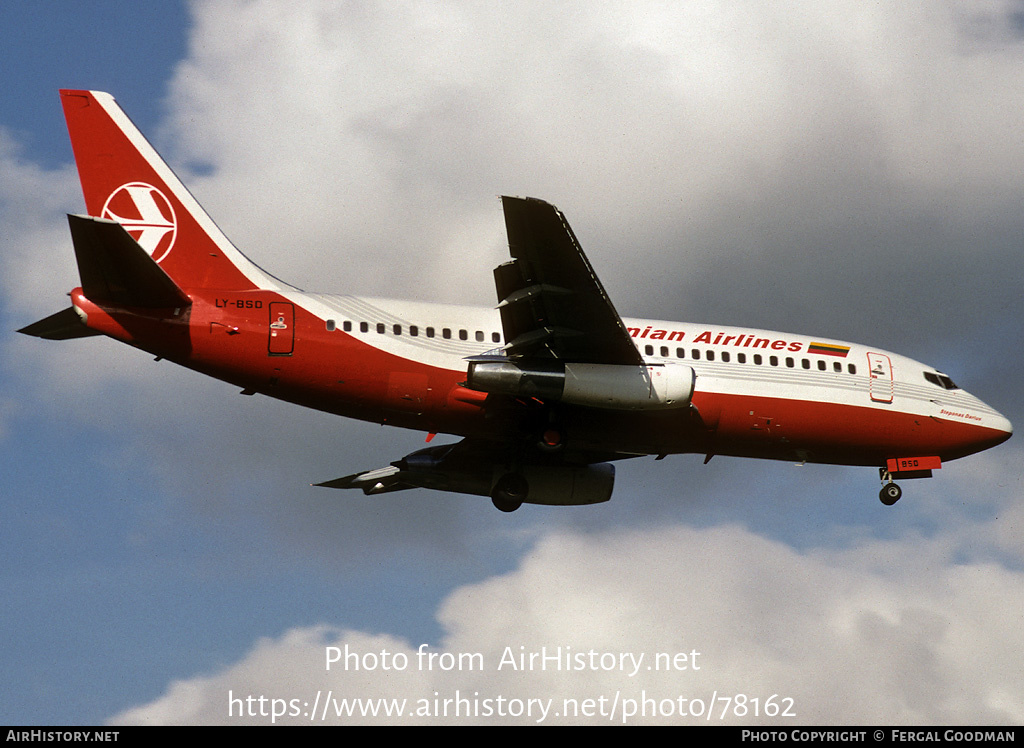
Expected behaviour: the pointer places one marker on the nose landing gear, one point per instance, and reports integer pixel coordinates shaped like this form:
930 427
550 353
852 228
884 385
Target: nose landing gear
890 494
904 467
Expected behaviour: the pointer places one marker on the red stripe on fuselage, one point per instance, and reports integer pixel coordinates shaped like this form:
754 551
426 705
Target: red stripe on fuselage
328 370
836 433
339 372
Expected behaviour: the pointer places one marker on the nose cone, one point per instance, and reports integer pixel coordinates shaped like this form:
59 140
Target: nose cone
1002 425
971 426
994 429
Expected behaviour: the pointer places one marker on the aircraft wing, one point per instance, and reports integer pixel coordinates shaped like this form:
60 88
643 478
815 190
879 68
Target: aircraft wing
552 304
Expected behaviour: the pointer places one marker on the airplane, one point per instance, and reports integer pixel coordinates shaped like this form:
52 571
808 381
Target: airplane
547 390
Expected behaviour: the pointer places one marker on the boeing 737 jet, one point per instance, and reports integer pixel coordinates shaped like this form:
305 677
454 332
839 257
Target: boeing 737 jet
546 391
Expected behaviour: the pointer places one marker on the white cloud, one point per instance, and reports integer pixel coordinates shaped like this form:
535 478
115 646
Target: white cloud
35 249
695 149
920 639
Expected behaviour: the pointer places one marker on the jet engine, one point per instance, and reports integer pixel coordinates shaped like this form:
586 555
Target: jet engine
648 387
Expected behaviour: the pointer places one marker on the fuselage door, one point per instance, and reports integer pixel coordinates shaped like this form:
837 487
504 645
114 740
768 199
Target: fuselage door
282 329
880 385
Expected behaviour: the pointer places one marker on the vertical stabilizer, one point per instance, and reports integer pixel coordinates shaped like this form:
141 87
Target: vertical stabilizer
125 180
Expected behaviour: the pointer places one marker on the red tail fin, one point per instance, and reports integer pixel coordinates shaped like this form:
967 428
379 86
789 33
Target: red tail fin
125 180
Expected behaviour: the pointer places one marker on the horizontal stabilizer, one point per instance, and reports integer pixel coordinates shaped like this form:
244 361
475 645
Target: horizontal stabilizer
63 325
116 270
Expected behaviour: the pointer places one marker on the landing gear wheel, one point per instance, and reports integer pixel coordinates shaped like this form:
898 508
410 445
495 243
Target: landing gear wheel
509 492
505 506
890 494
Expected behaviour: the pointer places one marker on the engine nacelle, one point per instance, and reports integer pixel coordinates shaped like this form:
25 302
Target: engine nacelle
559 485
648 387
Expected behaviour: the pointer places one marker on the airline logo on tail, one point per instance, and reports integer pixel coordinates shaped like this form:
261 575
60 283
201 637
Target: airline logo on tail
146 214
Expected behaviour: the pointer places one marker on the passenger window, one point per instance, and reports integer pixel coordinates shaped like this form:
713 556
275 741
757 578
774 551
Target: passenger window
330 325
695 354
758 359
649 350
837 367
789 362
851 368
710 355
741 358
495 337
773 360
364 327
446 333
664 351
381 328
463 335
414 330
680 353
480 336
821 366
397 329
347 325
430 332
725 356
805 363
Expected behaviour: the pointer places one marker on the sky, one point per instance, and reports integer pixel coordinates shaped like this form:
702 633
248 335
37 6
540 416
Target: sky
853 171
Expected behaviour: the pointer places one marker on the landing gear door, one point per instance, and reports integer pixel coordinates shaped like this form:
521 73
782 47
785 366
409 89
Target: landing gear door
880 385
282 329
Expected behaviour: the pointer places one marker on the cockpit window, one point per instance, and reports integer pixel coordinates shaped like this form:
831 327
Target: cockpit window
940 380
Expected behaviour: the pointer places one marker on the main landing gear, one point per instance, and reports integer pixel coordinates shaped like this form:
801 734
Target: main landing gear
511 489
509 492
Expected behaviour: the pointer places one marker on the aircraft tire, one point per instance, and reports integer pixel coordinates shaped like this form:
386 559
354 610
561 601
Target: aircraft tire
890 494
509 492
505 506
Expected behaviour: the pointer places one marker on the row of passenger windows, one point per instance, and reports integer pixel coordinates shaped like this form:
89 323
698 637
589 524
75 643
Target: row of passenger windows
414 331
480 336
741 358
